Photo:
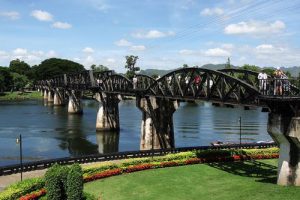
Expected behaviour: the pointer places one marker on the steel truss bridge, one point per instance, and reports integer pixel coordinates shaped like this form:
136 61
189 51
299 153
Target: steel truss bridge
234 86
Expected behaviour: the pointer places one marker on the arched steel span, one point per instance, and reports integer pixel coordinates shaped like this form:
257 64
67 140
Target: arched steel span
212 86
144 81
116 83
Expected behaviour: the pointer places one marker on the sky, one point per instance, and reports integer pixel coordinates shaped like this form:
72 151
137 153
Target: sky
164 34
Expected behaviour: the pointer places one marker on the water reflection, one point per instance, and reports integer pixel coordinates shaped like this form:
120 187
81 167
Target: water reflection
108 142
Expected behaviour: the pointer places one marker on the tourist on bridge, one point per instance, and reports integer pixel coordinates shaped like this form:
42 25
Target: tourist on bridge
278 76
262 79
134 81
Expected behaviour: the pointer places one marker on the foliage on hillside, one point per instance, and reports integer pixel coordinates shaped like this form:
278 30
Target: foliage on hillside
55 66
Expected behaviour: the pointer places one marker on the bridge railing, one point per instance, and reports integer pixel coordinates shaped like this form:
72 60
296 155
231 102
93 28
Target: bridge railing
284 87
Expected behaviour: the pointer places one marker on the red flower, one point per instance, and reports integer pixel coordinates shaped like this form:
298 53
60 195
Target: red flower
34 195
104 174
139 167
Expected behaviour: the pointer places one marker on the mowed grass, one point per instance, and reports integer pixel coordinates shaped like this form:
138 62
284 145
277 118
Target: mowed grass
7 96
253 180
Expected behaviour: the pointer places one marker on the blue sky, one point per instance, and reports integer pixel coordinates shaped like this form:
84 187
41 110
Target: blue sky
165 34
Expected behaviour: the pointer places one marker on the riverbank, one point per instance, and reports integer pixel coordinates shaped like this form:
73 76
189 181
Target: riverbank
17 95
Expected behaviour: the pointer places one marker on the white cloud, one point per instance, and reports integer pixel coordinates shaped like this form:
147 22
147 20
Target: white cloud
42 15
111 60
20 52
186 52
61 25
12 15
212 11
152 34
227 46
217 52
123 43
138 48
3 53
51 54
88 50
268 49
255 27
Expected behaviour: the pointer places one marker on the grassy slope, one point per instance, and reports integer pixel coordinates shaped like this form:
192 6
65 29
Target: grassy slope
18 96
220 181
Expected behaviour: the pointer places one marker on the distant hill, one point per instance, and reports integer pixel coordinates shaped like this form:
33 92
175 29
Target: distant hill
293 70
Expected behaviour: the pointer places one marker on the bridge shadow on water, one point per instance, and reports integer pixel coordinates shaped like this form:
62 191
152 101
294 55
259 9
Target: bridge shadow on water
260 171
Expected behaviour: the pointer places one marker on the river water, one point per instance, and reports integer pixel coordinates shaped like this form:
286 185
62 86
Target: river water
50 132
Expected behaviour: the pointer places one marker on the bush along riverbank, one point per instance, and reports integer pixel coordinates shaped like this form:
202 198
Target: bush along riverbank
34 188
16 96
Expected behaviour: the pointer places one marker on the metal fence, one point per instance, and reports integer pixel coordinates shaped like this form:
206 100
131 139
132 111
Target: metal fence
30 166
284 87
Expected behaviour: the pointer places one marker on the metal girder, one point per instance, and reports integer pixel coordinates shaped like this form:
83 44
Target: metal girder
206 84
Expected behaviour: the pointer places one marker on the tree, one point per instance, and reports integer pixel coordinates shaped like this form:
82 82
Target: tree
130 65
54 67
251 67
5 79
19 81
99 68
185 66
19 67
228 65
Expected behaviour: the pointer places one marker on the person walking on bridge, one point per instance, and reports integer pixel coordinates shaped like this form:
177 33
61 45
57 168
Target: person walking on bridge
278 75
262 80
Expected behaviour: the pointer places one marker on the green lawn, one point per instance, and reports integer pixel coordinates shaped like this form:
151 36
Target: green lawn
7 96
254 180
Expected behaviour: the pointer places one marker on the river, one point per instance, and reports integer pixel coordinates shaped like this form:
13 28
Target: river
50 132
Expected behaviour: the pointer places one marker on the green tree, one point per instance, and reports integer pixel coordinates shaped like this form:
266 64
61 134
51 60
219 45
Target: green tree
99 68
251 67
54 67
19 81
130 65
228 65
269 70
19 67
5 79
185 66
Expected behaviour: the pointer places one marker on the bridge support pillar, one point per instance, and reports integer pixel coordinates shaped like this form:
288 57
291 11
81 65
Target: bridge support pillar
50 96
108 113
157 130
284 128
46 94
58 98
75 104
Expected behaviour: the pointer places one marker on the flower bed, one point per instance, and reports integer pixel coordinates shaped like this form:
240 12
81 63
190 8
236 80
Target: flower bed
104 170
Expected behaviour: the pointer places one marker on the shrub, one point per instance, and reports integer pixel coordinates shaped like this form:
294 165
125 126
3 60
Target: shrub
214 153
74 183
16 190
56 179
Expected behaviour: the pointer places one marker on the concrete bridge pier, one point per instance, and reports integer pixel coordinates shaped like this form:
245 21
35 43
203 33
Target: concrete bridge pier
58 98
108 113
50 96
75 104
45 94
284 128
157 130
